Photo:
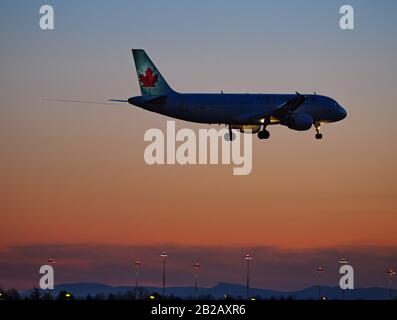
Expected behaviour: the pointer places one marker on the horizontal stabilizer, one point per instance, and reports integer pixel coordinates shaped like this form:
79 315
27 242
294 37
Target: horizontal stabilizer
118 100
79 101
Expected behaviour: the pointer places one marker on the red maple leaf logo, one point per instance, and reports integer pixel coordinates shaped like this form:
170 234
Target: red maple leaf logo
149 79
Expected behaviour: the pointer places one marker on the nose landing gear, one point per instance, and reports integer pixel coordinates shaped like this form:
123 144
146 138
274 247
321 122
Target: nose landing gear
263 134
318 135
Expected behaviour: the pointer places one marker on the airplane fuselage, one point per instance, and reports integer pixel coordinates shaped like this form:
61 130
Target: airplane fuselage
234 109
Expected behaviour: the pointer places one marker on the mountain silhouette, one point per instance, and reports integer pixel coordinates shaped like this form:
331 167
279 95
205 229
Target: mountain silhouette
232 290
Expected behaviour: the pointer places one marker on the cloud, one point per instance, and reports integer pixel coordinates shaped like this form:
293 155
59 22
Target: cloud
272 268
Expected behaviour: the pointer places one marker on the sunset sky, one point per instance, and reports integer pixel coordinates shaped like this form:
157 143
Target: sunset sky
73 180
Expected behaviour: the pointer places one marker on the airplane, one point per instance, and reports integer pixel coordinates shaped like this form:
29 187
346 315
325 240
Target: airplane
248 113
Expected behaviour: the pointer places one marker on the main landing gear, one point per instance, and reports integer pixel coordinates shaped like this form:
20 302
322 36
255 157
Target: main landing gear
318 135
263 134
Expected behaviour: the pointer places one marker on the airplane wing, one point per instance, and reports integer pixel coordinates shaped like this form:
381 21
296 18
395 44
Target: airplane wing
279 113
289 106
250 118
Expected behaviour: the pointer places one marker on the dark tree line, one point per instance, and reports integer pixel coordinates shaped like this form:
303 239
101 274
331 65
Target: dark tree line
38 294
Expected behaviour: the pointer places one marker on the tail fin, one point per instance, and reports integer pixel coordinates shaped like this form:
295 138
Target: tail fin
150 79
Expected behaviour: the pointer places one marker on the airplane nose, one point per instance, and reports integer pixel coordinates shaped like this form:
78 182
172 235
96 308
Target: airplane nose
342 113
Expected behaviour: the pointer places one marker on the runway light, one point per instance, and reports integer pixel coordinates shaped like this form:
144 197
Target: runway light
68 295
151 297
391 272
253 299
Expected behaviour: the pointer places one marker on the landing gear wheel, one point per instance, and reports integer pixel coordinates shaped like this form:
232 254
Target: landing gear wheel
264 134
318 134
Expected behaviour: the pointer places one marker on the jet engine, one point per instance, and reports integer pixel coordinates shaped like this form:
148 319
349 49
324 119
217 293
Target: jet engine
245 128
299 122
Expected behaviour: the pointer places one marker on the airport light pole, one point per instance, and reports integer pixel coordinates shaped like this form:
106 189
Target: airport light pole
164 257
391 272
196 276
343 261
137 269
320 270
248 258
